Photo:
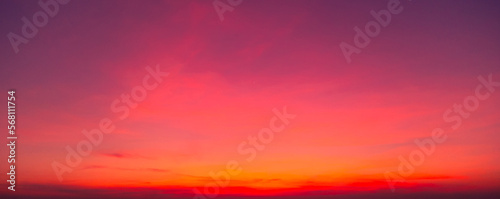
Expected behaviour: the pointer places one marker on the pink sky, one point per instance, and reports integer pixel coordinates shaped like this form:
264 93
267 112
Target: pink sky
352 120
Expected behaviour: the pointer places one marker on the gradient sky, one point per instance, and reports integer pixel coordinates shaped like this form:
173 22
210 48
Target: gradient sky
353 120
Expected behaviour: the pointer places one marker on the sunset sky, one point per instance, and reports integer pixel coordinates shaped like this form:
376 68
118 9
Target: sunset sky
226 80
